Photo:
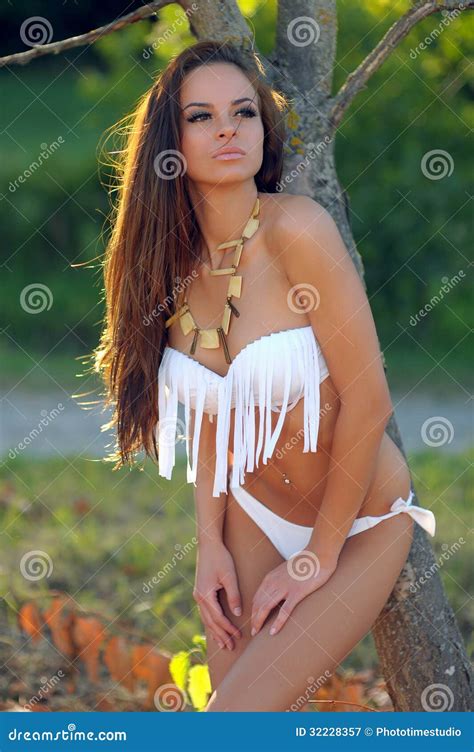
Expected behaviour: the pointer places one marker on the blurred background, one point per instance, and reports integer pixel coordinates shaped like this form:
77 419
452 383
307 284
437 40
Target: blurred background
101 536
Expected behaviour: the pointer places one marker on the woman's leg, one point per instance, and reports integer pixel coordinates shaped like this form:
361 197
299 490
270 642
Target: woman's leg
273 671
254 555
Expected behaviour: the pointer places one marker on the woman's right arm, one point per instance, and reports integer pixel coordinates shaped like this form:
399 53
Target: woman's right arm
215 566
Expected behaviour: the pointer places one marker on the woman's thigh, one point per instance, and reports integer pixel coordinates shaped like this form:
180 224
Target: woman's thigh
254 555
272 672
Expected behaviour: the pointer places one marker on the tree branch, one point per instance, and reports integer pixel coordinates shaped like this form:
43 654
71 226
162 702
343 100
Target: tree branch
224 23
400 29
55 48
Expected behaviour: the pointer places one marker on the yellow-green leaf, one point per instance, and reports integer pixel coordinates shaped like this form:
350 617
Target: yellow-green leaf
199 686
179 668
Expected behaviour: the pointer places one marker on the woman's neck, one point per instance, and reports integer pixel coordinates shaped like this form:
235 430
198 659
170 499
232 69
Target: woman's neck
222 213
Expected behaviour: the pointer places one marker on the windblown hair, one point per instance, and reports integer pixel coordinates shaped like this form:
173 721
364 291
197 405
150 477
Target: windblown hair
154 238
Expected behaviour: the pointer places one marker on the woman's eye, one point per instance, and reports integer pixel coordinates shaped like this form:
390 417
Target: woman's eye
248 112
197 115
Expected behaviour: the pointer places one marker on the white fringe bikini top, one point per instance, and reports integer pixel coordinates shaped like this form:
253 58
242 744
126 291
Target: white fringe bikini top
271 373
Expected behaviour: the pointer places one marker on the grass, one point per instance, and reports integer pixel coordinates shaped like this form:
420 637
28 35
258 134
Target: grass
108 534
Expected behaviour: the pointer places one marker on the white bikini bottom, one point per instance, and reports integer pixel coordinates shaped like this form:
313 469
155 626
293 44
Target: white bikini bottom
290 538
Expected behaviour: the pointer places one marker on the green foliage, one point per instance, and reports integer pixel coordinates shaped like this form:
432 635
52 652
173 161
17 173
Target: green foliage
411 231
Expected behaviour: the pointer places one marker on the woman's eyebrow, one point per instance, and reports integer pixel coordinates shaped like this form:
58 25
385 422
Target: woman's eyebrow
208 104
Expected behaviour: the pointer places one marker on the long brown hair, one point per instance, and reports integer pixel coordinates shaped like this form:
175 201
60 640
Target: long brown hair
154 237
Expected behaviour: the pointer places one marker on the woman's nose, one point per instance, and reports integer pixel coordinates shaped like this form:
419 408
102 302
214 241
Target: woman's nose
226 129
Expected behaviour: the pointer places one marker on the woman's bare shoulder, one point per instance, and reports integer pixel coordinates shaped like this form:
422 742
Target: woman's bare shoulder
289 214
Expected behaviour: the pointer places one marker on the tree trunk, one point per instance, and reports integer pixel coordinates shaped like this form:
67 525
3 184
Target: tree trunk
420 648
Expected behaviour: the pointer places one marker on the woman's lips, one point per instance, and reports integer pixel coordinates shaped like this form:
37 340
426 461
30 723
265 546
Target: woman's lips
230 155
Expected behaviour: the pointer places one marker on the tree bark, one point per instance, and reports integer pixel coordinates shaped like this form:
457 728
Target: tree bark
421 652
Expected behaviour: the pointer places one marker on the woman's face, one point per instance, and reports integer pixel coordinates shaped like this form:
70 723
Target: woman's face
220 121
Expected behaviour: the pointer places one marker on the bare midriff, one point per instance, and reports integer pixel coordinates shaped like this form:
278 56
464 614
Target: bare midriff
299 501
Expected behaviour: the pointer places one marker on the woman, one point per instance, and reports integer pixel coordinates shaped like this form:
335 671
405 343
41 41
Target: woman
247 306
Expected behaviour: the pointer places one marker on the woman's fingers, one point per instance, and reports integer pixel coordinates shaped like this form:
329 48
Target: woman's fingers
222 638
219 617
260 611
231 587
219 635
283 615
218 623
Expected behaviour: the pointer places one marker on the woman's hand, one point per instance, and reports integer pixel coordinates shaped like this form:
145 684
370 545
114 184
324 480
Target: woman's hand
215 570
290 582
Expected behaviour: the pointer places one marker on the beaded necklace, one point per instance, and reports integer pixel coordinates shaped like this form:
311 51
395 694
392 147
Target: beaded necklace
216 337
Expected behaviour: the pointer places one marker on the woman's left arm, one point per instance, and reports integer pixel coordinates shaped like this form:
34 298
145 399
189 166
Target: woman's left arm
320 269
